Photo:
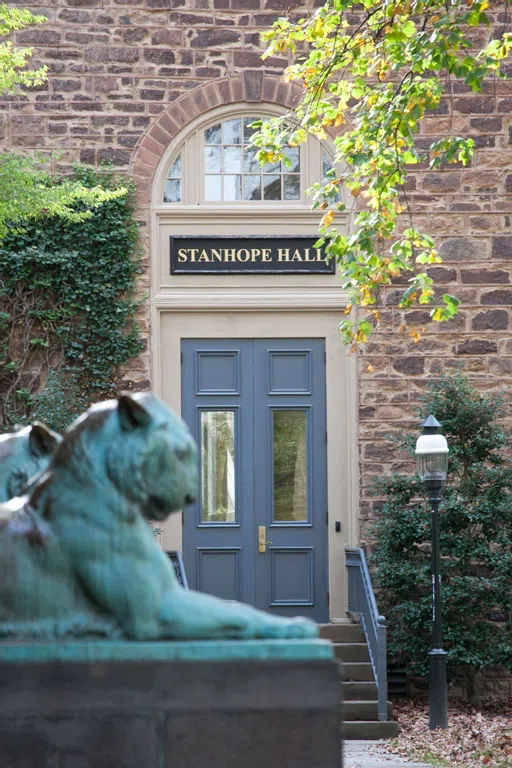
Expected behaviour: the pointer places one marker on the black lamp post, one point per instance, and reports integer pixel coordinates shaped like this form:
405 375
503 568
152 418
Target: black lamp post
432 453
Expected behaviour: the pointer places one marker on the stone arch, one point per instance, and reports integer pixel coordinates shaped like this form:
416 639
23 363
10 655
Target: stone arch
250 87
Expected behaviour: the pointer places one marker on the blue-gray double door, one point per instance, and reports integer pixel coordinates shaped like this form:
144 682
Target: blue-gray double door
258 532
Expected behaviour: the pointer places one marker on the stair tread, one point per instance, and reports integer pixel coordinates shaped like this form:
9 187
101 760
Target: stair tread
361 730
360 682
372 723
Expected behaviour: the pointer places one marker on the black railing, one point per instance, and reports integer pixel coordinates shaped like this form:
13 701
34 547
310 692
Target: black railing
361 600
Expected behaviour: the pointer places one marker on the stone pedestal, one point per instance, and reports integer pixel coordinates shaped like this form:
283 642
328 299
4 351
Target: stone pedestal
254 704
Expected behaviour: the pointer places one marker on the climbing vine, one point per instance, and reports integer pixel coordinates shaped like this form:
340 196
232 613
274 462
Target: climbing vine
68 307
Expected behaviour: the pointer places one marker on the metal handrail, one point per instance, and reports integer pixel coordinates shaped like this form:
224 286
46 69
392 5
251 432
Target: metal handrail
361 600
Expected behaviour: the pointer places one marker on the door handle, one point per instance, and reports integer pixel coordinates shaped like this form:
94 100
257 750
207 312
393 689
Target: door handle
262 539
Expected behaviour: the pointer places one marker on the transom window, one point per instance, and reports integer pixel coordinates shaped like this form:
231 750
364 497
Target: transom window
233 172
216 165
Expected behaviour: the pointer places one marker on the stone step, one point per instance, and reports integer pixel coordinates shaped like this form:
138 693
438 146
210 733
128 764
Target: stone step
342 632
357 671
373 755
368 730
351 651
363 710
359 691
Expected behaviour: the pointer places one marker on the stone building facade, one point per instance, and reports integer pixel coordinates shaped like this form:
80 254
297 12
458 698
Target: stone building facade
133 83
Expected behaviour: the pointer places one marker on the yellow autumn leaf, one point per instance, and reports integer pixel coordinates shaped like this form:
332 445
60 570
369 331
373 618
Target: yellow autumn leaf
327 219
370 368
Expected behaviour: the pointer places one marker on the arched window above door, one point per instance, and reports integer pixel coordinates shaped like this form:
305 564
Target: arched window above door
215 165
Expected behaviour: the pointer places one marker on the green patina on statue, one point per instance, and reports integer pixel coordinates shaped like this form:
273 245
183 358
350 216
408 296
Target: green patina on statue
24 454
77 555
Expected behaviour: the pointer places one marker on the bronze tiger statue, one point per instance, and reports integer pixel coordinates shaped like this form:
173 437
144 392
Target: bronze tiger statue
77 554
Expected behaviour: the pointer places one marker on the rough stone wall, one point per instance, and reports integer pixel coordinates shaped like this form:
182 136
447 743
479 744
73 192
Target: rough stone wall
116 66
493 686
468 211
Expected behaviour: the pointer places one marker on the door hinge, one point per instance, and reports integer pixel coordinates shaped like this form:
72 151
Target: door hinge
325 357
326 437
181 357
327 517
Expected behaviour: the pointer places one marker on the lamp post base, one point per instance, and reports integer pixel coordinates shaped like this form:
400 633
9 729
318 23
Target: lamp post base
438 689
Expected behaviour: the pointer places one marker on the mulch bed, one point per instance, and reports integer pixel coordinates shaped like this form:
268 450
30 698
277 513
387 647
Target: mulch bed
473 739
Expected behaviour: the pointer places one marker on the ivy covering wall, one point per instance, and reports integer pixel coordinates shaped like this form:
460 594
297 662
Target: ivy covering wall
68 309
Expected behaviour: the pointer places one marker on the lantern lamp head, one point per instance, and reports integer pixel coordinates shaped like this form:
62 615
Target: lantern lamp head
432 453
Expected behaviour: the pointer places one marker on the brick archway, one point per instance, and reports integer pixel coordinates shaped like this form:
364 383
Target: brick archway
250 87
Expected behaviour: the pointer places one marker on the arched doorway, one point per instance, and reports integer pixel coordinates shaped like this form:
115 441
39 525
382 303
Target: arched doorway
254 362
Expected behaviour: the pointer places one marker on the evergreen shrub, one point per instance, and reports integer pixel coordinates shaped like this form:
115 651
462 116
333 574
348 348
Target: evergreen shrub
476 541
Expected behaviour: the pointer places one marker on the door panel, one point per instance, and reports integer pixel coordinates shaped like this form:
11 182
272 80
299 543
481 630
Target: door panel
218 572
289 372
291 576
217 373
257 410
217 398
291 476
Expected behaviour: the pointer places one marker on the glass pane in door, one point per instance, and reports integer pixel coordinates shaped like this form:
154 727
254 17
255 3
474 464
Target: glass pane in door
289 430
218 466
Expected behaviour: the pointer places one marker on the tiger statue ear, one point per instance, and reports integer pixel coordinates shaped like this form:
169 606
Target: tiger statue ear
132 415
42 440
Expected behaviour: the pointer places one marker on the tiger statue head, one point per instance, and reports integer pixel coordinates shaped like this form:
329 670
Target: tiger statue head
143 450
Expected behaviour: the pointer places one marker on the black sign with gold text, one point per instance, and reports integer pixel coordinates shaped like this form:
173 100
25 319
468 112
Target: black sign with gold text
255 255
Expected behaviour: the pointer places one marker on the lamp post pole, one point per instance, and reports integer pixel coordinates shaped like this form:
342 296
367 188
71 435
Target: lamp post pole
432 453
438 686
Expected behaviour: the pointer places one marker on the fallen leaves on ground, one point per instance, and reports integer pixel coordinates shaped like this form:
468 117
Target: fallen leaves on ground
473 738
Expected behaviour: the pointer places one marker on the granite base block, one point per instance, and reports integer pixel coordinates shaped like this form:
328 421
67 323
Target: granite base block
265 708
